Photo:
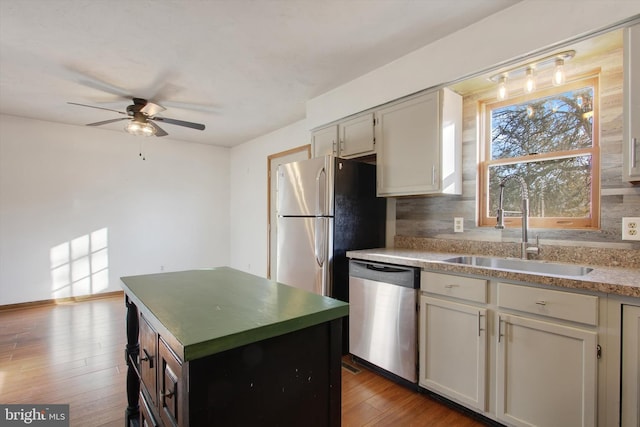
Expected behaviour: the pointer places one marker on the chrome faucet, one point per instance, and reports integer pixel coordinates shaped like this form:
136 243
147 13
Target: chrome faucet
525 249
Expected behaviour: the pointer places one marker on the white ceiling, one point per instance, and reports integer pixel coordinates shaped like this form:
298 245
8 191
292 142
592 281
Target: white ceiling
243 68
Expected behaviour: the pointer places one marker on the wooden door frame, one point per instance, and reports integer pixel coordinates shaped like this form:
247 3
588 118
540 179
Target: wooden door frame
270 158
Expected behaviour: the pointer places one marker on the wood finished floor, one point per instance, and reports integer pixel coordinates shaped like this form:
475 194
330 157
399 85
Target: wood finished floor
74 353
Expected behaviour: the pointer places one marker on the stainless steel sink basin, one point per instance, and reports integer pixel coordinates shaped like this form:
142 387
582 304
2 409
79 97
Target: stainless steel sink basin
522 265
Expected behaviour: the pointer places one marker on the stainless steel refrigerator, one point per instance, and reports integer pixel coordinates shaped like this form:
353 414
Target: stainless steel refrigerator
326 206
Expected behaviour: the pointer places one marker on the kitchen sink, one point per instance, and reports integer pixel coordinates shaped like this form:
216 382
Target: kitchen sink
514 264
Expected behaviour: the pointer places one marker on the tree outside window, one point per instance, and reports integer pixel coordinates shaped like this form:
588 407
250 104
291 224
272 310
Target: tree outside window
550 141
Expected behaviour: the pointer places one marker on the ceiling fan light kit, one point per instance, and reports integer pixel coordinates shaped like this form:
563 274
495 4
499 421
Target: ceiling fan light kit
142 115
140 129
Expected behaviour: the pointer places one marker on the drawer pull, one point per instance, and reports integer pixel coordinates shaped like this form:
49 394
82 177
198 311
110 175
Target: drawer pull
541 302
168 395
147 358
450 286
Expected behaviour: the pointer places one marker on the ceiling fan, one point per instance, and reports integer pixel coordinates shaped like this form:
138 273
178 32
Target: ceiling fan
142 117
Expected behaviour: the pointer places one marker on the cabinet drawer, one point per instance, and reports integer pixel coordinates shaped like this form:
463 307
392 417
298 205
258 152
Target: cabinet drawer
561 305
171 387
148 358
454 286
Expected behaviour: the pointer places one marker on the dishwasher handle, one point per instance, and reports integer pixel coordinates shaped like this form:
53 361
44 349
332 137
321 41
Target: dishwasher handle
385 268
408 277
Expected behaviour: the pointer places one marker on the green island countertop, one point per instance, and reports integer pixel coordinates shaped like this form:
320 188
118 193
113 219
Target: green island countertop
208 311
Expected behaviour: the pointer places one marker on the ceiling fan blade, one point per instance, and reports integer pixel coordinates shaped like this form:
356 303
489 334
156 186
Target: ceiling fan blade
151 109
99 108
159 130
108 121
179 122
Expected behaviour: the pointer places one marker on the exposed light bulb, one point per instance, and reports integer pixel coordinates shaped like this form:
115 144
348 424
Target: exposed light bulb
559 76
530 81
503 92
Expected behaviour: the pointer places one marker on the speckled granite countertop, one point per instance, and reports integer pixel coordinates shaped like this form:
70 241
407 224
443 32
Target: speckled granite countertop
610 280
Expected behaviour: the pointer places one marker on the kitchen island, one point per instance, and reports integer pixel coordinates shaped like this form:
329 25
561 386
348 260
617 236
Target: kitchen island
224 347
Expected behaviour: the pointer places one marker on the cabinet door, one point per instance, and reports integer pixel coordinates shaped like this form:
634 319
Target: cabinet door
409 146
546 373
148 359
325 141
356 137
630 416
631 141
171 388
453 340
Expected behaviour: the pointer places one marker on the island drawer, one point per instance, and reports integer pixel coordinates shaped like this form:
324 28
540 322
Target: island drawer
171 387
148 358
466 288
558 304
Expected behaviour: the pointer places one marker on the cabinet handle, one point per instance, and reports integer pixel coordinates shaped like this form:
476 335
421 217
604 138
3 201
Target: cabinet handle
147 358
450 286
167 394
334 148
479 324
632 162
499 328
541 302
433 174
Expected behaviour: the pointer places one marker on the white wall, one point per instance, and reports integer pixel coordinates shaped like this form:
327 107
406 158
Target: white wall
59 184
524 28
248 206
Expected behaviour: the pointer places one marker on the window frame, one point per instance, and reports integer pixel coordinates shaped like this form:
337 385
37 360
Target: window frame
485 108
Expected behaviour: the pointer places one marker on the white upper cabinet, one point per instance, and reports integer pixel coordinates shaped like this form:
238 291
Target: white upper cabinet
325 141
419 145
631 138
356 137
347 139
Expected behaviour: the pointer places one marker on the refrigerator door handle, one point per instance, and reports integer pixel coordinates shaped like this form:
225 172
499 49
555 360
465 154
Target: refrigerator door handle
321 191
320 241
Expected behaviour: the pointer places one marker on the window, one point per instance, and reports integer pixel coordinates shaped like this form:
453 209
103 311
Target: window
551 141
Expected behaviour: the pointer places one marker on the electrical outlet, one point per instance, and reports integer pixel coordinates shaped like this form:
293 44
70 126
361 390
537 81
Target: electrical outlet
631 228
458 225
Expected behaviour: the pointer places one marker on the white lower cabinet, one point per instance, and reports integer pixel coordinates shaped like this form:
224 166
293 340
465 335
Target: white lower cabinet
546 368
523 355
630 392
453 347
546 373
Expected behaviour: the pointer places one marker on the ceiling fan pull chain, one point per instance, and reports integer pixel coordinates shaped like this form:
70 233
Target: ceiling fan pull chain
144 157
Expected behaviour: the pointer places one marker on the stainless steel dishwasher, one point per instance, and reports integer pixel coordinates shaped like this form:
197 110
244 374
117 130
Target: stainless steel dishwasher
383 316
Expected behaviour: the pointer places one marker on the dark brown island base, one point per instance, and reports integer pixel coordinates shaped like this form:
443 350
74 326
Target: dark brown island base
220 347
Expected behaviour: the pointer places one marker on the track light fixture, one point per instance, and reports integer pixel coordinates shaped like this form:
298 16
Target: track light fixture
559 77
529 70
503 91
529 81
